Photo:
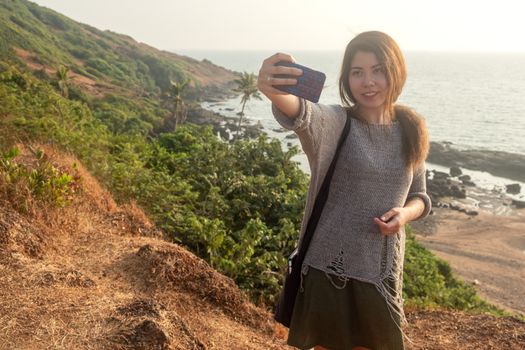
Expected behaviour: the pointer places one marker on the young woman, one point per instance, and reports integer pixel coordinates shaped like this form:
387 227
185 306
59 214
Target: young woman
351 292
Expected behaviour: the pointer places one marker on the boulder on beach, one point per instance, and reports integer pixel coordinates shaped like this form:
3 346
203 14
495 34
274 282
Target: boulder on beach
455 171
513 188
458 192
441 185
440 175
466 180
518 204
498 163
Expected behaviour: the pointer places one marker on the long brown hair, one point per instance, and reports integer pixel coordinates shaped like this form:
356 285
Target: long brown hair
388 53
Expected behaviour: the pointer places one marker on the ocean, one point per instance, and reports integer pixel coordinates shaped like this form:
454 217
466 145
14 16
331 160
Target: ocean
473 100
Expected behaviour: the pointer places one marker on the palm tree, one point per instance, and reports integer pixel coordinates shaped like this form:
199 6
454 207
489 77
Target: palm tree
247 86
179 107
63 80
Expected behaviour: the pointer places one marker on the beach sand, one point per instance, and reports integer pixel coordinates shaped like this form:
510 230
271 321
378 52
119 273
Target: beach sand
487 250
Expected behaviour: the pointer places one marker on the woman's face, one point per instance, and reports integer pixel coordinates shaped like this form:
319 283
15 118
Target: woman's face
367 80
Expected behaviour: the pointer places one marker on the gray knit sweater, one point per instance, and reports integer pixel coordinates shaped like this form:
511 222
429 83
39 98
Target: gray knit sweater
369 179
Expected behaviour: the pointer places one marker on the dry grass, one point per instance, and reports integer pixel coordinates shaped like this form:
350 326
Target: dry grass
171 266
449 329
94 275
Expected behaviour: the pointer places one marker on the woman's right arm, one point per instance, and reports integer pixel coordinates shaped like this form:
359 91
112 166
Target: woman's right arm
285 102
310 121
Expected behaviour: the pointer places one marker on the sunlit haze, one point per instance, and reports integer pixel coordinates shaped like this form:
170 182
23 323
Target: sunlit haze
443 25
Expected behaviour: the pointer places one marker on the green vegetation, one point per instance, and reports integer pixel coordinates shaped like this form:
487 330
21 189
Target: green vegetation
52 39
42 181
63 80
175 102
238 206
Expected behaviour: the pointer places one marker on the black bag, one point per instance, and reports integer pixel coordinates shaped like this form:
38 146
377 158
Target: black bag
285 305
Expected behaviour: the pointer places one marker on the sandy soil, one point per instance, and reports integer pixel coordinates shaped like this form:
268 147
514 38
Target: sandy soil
487 250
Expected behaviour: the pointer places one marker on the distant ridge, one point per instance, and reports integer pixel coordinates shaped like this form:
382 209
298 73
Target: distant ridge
43 39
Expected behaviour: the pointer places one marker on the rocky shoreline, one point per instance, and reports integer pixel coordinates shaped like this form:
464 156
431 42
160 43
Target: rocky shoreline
498 163
479 232
222 125
456 191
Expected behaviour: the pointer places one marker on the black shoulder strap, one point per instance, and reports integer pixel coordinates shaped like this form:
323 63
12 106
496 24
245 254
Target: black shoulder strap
322 195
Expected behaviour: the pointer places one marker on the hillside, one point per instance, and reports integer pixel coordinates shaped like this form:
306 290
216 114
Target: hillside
95 275
91 274
100 62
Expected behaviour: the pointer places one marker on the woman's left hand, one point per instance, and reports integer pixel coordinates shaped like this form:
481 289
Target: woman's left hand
392 221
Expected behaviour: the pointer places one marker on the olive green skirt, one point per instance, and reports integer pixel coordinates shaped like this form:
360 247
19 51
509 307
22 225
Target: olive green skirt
337 319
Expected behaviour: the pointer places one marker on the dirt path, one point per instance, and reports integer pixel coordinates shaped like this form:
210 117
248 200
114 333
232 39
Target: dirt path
486 250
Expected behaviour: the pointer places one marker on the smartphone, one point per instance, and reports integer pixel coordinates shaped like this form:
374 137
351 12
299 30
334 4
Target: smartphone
309 85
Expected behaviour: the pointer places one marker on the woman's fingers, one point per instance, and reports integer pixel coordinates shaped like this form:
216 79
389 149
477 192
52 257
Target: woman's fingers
382 226
275 91
388 215
266 84
278 75
270 70
267 78
272 76
279 56
389 227
281 81
285 70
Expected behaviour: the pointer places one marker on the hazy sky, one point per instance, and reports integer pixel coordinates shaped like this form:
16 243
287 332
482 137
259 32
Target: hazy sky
437 25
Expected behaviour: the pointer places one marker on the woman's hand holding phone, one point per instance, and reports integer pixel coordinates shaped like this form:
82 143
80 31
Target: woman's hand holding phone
267 80
271 75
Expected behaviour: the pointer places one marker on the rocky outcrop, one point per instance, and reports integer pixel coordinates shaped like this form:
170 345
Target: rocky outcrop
498 163
513 188
224 125
519 204
442 185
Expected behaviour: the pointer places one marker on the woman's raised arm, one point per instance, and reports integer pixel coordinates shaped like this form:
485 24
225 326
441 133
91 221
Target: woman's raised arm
285 102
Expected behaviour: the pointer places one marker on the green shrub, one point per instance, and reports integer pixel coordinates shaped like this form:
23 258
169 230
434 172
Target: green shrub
99 65
82 54
42 181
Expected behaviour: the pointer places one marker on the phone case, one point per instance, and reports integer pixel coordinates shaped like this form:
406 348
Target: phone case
309 85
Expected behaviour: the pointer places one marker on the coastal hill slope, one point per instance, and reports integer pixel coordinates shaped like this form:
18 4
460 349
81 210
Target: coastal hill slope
100 62
93 275
89 274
